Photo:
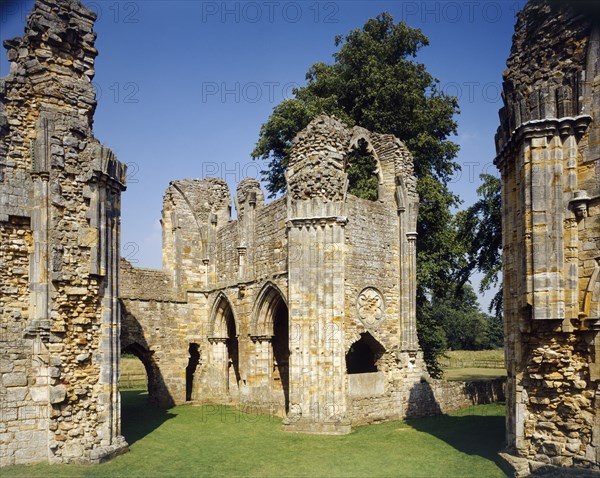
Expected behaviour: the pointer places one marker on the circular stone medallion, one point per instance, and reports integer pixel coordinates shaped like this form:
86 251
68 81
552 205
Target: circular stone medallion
370 307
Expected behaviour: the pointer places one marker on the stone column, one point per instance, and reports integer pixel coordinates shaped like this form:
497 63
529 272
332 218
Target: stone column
317 369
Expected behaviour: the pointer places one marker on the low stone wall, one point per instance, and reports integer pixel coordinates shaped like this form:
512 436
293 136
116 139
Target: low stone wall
369 404
456 395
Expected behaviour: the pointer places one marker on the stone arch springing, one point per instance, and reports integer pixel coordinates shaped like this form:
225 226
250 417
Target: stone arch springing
223 329
362 356
363 168
270 323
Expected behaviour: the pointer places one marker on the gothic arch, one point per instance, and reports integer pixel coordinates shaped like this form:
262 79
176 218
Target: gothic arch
222 323
354 144
363 354
158 394
268 300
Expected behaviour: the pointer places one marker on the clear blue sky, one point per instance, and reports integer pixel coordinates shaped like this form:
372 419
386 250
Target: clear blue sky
184 86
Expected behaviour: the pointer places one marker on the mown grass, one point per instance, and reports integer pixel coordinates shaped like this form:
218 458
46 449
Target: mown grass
213 440
467 355
473 374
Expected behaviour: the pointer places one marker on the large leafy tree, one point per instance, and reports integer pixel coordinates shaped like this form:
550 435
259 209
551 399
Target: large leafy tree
375 82
480 230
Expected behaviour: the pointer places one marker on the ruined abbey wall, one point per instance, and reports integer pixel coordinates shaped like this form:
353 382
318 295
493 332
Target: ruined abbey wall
549 156
304 307
59 235
263 310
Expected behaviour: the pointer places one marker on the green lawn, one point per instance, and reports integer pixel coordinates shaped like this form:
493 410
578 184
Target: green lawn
215 440
472 374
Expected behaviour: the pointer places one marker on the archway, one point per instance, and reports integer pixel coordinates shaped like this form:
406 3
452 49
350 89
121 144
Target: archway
226 345
363 354
362 167
157 393
271 326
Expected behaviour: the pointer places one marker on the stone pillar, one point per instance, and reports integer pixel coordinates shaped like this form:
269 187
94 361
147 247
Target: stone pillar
217 369
68 204
317 368
548 158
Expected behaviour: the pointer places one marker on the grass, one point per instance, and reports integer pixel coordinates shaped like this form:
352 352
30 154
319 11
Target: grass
473 374
212 440
468 355
468 365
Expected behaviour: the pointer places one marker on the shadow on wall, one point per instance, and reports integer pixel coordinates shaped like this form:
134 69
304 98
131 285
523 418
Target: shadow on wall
134 342
422 401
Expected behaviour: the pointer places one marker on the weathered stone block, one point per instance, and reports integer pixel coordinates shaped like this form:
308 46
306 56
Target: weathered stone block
17 379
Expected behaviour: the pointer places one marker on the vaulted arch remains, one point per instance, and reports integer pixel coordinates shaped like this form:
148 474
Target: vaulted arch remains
363 169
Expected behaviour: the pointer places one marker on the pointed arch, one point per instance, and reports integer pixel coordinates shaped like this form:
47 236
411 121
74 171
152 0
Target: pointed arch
158 394
222 323
269 299
225 345
363 168
363 354
355 144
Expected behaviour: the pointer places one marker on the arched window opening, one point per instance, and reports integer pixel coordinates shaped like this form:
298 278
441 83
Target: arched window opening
363 355
190 370
271 321
225 345
362 172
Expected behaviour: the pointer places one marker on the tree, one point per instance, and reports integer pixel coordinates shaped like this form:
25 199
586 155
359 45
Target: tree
375 82
480 229
465 326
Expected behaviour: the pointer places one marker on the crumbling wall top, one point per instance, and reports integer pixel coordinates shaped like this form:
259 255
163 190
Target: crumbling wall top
546 73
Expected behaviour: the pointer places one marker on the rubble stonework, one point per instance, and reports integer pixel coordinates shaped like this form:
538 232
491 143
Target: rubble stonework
59 241
549 156
304 306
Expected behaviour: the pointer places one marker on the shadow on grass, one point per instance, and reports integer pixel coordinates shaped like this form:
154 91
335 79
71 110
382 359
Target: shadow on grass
469 431
139 419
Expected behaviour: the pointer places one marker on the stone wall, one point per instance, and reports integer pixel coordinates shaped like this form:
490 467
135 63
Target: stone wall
304 307
549 157
59 241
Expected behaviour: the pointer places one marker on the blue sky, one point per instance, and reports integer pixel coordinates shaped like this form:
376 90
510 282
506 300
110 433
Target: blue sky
184 86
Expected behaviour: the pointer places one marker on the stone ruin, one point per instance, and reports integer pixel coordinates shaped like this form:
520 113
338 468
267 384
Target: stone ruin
549 156
304 306
60 195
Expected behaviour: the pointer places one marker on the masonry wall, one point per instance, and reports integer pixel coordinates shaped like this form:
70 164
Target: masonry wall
59 229
549 158
265 310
